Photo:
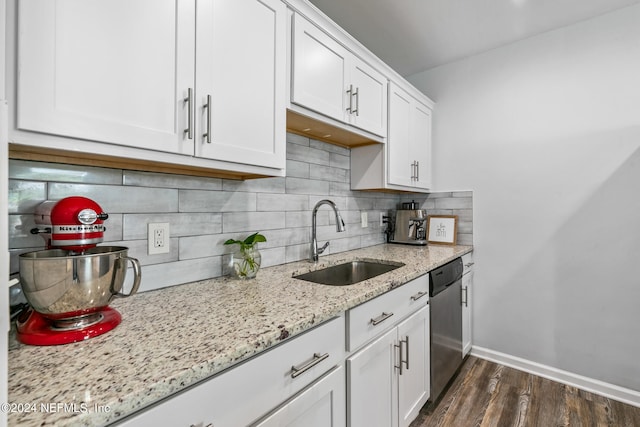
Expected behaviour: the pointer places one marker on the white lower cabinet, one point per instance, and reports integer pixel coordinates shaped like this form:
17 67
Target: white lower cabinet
303 383
388 379
372 383
290 377
414 380
467 298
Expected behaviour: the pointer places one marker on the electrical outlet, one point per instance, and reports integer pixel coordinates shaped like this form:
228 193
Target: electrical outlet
158 238
364 222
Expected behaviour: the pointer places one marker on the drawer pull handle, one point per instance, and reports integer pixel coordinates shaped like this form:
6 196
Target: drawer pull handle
469 264
384 316
299 370
418 296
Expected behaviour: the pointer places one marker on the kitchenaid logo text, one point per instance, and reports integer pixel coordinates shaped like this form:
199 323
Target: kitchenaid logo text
72 229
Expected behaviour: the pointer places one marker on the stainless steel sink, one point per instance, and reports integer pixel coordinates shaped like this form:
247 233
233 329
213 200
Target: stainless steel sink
347 273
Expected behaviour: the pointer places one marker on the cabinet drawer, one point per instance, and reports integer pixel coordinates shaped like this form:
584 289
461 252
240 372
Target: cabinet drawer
244 393
374 317
467 262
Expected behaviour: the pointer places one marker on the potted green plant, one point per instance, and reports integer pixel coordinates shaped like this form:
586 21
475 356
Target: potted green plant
245 262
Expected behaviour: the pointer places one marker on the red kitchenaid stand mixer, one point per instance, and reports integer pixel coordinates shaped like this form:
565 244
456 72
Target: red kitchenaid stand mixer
70 284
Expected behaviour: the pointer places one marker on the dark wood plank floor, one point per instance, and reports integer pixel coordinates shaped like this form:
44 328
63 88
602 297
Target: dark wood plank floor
487 394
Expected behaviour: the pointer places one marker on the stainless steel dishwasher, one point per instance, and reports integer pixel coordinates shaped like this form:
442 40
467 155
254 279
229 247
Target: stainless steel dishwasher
445 288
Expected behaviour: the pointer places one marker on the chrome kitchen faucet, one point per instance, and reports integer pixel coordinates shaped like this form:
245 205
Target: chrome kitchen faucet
315 251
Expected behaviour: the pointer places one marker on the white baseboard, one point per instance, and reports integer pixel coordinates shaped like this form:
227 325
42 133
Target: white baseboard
612 391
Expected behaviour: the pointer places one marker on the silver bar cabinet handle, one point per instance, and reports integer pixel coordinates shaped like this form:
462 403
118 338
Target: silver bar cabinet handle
399 365
417 170
207 134
406 341
466 296
357 95
189 101
384 316
299 370
350 92
419 295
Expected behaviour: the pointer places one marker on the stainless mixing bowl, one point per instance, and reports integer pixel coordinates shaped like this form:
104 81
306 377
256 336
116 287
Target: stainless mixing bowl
60 285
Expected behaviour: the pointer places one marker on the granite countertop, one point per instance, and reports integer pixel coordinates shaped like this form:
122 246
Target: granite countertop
172 338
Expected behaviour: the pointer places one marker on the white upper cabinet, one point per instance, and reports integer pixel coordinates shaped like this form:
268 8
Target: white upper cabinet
330 80
107 71
404 163
368 96
409 147
319 66
401 168
421 144
140 73
240 68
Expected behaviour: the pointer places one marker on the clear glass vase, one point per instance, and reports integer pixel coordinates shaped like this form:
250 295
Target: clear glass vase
245 263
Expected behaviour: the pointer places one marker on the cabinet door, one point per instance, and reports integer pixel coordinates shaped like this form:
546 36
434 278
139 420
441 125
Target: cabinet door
399 146
372 384
467 292
421 144
368 99
409 145
414 382
241 66
109 71
318 74
323 404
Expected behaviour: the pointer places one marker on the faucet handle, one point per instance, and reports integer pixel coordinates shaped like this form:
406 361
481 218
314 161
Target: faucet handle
321 250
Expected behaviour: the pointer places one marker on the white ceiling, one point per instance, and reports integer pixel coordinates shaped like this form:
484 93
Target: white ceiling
415 35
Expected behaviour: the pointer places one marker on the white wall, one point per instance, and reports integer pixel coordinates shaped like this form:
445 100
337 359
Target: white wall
546 132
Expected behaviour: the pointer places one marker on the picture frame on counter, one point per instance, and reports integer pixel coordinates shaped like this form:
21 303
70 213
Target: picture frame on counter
442 229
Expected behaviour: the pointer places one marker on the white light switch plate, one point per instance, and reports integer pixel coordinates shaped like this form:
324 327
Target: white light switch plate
364 222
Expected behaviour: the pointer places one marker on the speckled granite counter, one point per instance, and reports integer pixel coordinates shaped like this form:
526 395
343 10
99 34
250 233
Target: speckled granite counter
175 337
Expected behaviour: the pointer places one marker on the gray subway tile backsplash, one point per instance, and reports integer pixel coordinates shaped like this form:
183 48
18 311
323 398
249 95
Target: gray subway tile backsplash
52 172
194 224
307 186
150 179
306 154
216 201
24 196
205 212
282 202
119 198
248 222
297 169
